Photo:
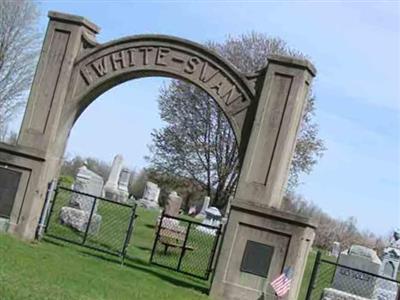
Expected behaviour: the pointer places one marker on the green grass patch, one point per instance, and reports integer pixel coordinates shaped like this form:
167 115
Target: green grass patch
49 270
53 269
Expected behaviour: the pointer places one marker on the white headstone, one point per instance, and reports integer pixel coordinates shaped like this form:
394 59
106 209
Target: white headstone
204 207
213 218
386 289
150 196
111 185
116 187
77 214
335 249
123 184
151 191
88 182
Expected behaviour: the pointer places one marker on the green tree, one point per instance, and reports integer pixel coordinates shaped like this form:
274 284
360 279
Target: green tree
198 142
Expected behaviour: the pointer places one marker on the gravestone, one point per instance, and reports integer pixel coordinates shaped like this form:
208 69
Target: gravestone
87 182
356 282
335 249
111 190
395 240
77 213
151 191
123 184
213 218
116 187
173 204
150 196
385 289
204 207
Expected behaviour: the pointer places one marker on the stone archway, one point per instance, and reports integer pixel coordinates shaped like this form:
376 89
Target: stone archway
264 109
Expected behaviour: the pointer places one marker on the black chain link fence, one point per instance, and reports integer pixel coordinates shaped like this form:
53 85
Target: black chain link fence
90 221
186 246
331 280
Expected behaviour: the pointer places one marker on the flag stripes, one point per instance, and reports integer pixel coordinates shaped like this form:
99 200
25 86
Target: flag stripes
281 284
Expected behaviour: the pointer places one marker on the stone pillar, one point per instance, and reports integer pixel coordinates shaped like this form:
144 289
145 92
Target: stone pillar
62 44
273 138
256 227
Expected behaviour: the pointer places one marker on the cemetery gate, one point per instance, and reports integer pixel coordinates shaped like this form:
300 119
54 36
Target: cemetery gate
100 224
264 108
333 279
186 246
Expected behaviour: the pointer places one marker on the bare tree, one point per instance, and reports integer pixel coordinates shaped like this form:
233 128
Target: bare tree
19 49
198 142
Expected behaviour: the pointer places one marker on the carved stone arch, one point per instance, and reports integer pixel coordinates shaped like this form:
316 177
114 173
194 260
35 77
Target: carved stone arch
112 63
264 109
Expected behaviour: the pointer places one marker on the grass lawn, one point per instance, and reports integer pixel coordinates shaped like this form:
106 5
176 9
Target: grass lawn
47 270
57 270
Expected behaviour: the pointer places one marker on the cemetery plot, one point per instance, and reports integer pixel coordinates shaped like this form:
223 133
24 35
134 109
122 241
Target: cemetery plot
185 246
339 280
90 221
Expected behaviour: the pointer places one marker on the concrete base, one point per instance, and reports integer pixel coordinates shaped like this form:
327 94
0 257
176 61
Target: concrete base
148 204
333 294
290 236
4 224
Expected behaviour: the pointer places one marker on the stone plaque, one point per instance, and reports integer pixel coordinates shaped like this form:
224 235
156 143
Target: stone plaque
257 259
9 180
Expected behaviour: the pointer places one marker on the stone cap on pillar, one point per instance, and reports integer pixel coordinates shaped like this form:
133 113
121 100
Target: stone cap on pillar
260 209
68 18
293 62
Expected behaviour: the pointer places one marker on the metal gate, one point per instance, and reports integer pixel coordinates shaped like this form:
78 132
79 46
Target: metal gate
185 246
90 221
329 277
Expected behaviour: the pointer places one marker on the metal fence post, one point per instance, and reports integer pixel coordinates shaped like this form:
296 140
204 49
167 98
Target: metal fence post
128 233
51 210
157 237
45 211
184 246
314 275
89 221
213 252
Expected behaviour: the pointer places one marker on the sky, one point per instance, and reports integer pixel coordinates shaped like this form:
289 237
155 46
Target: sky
355 46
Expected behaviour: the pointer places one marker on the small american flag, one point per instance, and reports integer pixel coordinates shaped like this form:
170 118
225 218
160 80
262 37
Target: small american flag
281 284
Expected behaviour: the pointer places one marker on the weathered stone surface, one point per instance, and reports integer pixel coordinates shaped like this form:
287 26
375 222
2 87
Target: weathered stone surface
332 294
147 204
87 182
385 289
111 190
213 218
78 219
4 224
290 235
151 192
123 183
206 203
173 205
357 282
335 249
150 196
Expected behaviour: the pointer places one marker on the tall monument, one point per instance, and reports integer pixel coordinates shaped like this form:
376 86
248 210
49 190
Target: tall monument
116 187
